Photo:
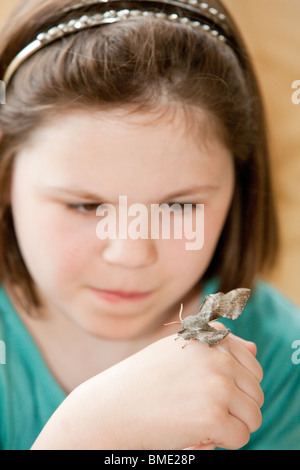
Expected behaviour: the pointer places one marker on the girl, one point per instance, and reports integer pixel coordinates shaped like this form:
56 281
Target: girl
155 101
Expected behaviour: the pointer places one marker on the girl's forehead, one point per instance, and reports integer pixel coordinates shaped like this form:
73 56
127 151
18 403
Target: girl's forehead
118 147
174 125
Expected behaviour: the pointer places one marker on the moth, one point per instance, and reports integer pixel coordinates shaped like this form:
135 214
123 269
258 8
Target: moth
197 327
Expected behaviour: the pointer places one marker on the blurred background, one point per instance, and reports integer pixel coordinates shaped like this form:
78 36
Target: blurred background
272 33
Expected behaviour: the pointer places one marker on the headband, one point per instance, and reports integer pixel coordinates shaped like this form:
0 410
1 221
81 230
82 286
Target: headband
192 13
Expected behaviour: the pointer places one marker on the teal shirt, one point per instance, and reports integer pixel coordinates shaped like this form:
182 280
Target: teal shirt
29 395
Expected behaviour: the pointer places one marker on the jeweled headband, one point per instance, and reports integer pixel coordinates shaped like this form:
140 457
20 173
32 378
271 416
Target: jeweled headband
188 12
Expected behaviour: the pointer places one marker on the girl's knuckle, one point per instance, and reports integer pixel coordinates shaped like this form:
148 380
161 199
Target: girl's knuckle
225 362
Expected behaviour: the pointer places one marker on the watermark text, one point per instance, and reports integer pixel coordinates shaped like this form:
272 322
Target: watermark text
296 94
2 92
296 353
164 221
2 353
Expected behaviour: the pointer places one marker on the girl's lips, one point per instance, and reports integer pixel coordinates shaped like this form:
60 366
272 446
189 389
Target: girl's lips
118 296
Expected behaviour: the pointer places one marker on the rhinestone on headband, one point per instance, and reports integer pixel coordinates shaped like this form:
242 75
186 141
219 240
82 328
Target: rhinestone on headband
111 16
210 12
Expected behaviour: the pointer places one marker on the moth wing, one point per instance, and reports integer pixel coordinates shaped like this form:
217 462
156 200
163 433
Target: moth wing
206 311
194 323
211 337
221 305
232 304
186 334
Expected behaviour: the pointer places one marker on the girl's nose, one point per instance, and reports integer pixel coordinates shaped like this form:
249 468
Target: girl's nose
130 253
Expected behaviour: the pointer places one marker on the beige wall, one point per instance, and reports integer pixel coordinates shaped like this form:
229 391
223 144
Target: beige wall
5 7
271 29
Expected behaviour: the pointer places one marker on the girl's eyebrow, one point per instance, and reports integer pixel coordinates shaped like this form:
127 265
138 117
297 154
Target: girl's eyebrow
87 195
192 190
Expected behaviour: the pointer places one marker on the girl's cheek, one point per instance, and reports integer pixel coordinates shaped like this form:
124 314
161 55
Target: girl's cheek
76 251
65 243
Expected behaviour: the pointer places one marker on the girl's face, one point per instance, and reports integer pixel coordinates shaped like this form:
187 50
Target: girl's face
83 159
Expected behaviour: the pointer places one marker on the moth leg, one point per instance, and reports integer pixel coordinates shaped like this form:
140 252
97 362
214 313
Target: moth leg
179 337
187 342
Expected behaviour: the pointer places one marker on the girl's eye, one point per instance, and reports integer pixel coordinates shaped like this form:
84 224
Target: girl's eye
91 207
86 208
181 206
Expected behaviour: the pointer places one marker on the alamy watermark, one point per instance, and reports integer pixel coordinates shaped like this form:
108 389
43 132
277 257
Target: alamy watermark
133 222
296 353
2 353
296 94
2 92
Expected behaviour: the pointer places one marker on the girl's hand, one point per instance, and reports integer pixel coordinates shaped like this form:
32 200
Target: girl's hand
164 397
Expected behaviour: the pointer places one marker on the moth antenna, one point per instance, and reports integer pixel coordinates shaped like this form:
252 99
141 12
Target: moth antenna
180 313
180 318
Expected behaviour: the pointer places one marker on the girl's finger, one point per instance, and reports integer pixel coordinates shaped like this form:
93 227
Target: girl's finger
237 433
245 408
248 384
248 344
244 357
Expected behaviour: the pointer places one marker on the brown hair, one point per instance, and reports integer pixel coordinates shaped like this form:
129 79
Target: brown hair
136 62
